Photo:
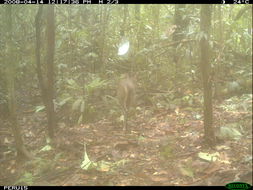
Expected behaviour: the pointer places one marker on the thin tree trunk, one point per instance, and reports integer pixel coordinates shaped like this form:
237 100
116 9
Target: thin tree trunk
177 36
50 70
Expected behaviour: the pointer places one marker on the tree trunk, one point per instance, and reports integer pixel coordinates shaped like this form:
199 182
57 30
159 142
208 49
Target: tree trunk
46 84
205 66
137 42
104 22
50 70
177 36
155 36
12 103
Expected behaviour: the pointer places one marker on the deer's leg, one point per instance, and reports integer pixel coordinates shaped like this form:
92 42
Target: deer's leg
125 119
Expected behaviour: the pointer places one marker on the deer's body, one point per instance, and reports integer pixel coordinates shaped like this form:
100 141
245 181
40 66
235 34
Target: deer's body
126 95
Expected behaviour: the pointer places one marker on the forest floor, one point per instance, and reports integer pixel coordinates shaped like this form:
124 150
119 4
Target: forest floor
163 147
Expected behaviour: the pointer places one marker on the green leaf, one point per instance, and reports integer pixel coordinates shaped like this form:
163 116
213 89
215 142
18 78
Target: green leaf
197 116
86 163
71 82
26 179
64 101
209 157
230 132
187 172
39 108
141 138
120 163
104 166
92 55
46 148
95 84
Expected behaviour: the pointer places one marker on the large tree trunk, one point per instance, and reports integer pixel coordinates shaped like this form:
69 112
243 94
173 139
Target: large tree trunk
47 85
205 66
10 75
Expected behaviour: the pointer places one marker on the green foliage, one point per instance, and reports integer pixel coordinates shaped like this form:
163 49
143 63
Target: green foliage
39 108
26 179
209 157
166 151
102 165
229 132
235 103
96 83
37 169
187 171
46 148
87 63
81 97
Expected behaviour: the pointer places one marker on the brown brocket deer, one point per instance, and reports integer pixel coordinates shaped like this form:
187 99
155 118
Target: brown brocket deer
126 95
